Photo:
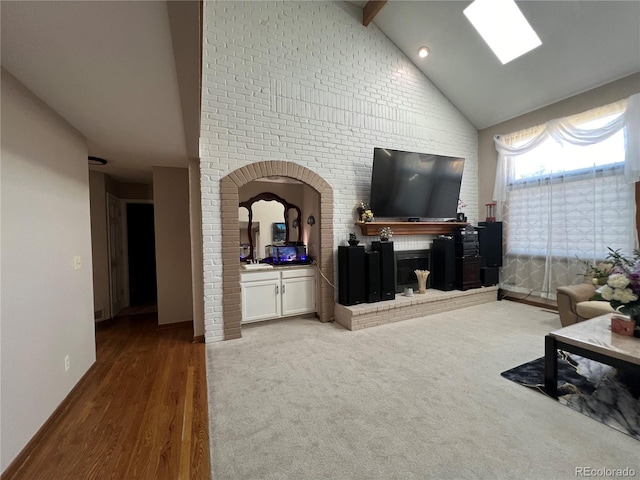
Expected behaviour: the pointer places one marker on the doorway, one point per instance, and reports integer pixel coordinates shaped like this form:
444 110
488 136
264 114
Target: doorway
141 248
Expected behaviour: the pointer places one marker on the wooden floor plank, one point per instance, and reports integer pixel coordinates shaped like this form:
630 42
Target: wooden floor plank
126 418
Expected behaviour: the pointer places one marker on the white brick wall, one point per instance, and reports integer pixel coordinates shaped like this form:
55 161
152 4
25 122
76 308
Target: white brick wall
305 82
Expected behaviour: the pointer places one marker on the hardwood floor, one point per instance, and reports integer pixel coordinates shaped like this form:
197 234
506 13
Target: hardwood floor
139 413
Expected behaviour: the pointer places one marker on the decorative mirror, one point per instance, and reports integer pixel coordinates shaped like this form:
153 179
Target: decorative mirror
290 224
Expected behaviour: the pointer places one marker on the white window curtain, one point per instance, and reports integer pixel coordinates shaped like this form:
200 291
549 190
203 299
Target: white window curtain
562 214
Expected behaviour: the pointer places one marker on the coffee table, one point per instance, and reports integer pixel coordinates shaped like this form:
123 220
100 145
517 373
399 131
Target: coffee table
591 339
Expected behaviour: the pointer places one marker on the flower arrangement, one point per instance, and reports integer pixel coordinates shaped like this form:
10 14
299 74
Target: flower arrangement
385 233
461 204
365 214
622 289
599 272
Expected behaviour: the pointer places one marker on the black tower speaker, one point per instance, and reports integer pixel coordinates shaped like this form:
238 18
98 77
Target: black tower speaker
489 276
387 269
490 238
351 275
372 274
443 264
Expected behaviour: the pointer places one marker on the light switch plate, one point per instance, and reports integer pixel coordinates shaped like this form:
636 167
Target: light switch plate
77 264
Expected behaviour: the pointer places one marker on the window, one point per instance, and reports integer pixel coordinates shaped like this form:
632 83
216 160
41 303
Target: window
566 191
551 157
562 194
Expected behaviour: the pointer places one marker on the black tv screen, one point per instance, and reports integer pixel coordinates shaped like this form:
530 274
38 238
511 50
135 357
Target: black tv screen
418 185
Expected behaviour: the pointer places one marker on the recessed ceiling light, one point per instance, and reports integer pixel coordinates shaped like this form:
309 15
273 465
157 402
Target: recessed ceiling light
503 26
423 52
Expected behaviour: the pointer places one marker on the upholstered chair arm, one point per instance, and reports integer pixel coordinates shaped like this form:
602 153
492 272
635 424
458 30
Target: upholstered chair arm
568 297
578 293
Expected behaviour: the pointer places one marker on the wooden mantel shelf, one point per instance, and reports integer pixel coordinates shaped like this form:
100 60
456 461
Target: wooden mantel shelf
410 228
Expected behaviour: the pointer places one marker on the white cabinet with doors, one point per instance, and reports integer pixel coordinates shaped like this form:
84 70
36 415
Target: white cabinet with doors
277 293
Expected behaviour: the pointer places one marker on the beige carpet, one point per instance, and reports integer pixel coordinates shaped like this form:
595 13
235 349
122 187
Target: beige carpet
419 399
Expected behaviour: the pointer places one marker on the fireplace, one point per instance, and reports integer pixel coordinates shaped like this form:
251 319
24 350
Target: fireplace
406 262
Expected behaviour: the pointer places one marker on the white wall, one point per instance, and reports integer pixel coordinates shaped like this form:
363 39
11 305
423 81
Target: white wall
47 306
305 82
173 244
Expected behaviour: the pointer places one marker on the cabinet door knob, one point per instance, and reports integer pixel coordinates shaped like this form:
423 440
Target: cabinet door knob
283 288
277 289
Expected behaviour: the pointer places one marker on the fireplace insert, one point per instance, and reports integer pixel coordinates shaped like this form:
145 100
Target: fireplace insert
407 261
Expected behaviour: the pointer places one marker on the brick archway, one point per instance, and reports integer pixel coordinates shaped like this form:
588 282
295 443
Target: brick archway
229 186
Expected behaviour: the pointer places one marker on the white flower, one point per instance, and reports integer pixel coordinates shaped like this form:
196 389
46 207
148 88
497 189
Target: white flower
618 280
624 295
607 292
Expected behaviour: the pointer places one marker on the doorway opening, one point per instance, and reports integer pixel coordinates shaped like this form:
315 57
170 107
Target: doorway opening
141 254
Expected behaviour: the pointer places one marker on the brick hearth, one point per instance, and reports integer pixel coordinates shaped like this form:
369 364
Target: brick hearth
433 301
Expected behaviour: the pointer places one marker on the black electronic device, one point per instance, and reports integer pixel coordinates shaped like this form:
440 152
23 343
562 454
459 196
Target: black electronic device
467 249
372 275
387 269
468 272
490 238
410 184
351 275
466 234
489 276
443 275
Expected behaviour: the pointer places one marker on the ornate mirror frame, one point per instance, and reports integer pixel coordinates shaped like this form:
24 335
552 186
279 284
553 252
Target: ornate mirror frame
268 196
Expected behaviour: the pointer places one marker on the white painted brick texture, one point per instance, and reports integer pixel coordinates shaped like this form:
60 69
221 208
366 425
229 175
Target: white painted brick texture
305 82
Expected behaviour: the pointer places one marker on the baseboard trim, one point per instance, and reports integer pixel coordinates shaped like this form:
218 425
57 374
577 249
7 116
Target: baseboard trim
169 326
16 465
531 300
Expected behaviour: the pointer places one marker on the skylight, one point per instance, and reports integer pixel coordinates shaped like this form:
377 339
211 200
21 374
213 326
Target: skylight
503 26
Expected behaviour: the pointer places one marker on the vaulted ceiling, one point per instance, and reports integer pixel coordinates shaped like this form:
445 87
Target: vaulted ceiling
126 74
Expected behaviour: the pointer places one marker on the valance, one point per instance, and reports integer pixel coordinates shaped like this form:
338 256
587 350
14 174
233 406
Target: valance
563 131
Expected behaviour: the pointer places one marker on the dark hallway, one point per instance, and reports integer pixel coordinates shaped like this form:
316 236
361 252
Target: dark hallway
142 254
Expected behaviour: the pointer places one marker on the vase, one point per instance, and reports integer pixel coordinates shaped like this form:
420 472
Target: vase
422 280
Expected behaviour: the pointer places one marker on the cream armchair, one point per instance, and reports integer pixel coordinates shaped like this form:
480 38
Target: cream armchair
574 304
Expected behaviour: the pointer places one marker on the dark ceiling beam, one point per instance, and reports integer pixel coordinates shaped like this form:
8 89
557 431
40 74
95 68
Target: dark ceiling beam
370 10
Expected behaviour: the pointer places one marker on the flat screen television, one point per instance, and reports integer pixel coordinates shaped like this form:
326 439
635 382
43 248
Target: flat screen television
415 185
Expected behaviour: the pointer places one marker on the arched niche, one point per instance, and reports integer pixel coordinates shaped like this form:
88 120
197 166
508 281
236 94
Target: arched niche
229 194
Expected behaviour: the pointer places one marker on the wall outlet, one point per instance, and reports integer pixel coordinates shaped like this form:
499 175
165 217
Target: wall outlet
77 264
67 363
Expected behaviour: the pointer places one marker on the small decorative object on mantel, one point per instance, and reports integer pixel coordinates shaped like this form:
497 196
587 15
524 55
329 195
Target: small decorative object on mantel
385 234
364 212
460 216
422 280
353 241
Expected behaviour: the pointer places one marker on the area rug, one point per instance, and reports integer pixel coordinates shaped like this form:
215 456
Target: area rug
608 395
